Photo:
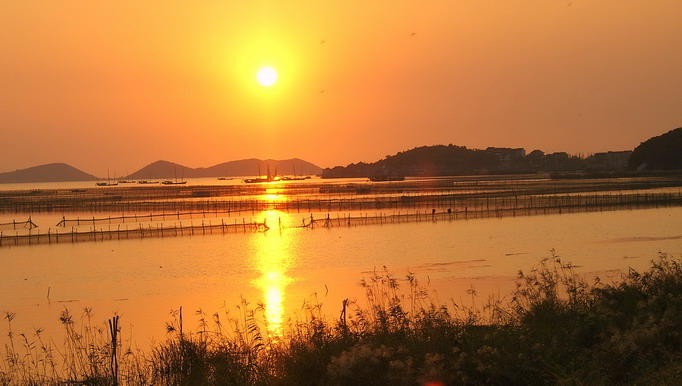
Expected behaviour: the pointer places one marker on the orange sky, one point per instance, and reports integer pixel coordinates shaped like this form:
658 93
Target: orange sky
119 84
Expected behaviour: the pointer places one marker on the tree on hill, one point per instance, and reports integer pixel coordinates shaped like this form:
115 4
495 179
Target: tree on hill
663 152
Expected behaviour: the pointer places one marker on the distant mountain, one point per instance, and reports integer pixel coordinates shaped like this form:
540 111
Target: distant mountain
162 170
247 167
663 152
252 167
56 172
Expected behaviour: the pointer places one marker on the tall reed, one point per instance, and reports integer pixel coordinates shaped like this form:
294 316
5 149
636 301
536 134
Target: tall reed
555 328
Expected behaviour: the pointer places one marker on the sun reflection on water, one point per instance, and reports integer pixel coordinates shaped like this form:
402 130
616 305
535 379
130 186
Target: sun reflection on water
273 258
273 195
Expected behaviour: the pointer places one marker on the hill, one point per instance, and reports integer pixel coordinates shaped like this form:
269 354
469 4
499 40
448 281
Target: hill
439 160
251 167
162 170
246 167
451 160
663 152
55 172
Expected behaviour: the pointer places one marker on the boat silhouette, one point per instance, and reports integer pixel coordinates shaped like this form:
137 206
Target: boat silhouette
175 182
268 178
108 183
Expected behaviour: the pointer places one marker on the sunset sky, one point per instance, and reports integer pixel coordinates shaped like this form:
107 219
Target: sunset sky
116 85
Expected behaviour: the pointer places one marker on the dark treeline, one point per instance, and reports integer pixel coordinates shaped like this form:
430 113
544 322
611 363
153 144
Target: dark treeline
659 153
441 160
422 161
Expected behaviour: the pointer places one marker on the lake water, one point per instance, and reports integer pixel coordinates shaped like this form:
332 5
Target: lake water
143 279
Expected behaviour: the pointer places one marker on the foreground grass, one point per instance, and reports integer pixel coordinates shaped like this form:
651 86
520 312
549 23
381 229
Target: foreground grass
555 329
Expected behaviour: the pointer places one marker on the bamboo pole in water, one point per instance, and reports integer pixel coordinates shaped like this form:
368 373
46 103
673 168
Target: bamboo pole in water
472 204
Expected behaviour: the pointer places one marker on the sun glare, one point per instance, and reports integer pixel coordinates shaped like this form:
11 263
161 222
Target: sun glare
273 260
266 76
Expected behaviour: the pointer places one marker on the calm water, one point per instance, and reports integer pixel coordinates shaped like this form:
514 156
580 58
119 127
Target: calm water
143 279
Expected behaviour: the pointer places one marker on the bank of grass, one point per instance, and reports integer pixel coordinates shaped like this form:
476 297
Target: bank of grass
555 329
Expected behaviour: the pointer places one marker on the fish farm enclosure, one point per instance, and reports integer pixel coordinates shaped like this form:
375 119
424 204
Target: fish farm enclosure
169 211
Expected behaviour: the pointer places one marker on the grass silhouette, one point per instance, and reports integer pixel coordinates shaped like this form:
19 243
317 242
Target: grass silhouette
555 328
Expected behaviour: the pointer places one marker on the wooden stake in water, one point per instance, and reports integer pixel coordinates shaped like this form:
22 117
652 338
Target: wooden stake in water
113 329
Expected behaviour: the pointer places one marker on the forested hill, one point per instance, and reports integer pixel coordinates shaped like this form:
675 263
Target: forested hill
421 161
659 153
451 160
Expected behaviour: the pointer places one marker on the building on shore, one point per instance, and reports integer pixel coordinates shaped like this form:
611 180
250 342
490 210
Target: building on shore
611 160
507 157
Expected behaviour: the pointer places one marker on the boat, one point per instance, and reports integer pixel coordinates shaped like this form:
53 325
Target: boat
108 183
176 182
257 180
386 178
126 181
225 178
149 181
294 177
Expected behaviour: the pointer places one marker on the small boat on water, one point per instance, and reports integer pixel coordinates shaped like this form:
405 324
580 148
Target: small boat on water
224 178
175 182
108 183
268 178
294 177
149 181
260 179
124 181
386 178
288 178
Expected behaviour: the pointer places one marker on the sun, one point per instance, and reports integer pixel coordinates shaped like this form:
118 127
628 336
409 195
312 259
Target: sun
267 76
